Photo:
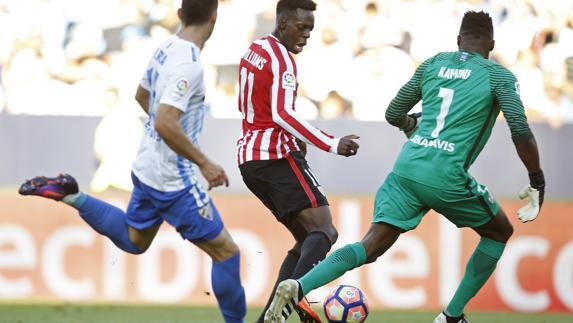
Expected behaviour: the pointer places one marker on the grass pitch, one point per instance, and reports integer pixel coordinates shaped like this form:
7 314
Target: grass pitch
89 313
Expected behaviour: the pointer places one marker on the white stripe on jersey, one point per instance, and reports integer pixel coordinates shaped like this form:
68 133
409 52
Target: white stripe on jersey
245 78
240 149
266 143
251 144
250 109
242 94
279 143
276 76
243 146
289 95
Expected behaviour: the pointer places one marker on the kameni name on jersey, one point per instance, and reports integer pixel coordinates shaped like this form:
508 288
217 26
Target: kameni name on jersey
434 143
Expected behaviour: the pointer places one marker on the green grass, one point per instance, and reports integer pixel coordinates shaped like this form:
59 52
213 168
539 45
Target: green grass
89 313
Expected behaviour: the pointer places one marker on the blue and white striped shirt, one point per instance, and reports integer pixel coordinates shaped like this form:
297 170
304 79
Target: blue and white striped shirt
174 77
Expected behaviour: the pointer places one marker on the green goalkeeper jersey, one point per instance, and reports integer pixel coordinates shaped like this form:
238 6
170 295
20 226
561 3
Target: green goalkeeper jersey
462 94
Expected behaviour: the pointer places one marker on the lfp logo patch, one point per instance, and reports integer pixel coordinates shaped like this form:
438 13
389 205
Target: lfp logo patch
181 86
289 81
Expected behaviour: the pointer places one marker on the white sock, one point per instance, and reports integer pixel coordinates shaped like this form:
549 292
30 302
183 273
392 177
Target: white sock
70 199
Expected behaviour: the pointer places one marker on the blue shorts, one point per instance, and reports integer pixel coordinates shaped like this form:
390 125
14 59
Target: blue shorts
190 211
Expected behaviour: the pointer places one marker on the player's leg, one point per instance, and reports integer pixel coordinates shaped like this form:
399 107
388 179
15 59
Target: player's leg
313 227
261 190
309 249
304 210
482 263
319 235
196 218
473 206
498 228
309 220
396 210
285 272
144 237
271 181
103 217
384 233
226 276
379 238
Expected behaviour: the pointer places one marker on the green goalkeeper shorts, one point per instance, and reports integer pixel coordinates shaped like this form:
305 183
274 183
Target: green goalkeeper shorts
402 202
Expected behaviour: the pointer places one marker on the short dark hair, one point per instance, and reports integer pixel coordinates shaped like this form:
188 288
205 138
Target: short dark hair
284 6
477 24
196 12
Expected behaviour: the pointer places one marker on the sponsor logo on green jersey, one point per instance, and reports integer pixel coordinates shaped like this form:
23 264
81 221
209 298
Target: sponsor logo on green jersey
434 143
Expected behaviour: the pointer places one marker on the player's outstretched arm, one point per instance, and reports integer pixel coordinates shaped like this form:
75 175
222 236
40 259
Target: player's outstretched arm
142 97
287 118
346 146
168 127
284 115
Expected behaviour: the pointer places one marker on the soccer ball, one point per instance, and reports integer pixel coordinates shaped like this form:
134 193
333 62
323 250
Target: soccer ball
346 304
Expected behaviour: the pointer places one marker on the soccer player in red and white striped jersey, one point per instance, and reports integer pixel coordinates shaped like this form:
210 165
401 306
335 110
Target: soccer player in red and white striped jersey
267 101
271 152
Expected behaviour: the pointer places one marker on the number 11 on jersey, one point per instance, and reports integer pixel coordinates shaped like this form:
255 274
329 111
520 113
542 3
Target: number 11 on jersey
247 78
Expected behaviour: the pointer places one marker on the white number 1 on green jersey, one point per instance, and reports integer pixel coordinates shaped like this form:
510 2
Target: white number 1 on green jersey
447 96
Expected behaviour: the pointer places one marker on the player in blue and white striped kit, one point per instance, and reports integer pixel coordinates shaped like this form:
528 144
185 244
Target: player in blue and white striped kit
172 93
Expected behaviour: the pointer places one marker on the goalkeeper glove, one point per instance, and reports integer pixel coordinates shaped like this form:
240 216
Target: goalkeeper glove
535 192
411 124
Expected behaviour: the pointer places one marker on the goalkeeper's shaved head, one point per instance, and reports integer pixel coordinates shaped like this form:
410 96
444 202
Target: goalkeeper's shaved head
476 33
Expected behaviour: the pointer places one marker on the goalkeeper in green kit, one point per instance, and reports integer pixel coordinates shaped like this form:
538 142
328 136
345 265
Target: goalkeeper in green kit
462 93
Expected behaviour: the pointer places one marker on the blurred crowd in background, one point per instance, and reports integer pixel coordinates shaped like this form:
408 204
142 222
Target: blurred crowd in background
85 58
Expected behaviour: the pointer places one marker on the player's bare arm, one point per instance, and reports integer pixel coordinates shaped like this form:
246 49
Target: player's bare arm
529 155
167 125
142 97
535 191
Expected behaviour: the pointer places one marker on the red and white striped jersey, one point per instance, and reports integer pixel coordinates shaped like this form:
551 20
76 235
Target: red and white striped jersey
267 97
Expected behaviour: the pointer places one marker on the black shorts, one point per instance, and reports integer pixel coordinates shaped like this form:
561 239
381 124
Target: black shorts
286 186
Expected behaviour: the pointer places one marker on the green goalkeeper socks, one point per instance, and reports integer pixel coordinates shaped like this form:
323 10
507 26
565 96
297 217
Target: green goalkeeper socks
478 270
333 266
